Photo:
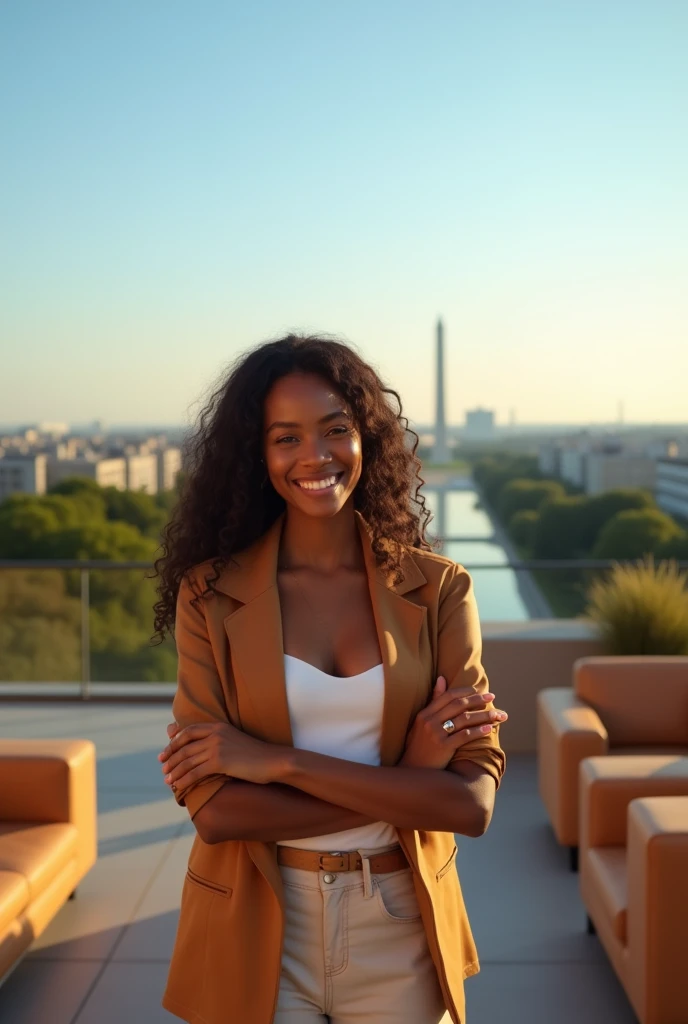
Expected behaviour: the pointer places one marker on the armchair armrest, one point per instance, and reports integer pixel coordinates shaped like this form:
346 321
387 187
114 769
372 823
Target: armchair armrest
568 730
51 781
657 902
608 784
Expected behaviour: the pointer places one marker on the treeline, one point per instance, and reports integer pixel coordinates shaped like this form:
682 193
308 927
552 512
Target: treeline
40 638
550 519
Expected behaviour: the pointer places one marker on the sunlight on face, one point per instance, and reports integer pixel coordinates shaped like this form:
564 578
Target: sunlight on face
312 446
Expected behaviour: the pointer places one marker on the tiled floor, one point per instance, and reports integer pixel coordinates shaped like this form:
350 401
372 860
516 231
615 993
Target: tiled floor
103 960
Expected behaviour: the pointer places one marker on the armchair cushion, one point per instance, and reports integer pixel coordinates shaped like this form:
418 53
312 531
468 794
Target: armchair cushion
676 750
608 880
642 700
655 965
568 731
608 784
14 897
37 852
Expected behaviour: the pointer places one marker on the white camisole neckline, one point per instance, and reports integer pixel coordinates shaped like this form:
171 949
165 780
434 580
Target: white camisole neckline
328 674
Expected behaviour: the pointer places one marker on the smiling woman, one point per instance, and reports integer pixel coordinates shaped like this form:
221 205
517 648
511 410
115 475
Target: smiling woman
333 726
320 455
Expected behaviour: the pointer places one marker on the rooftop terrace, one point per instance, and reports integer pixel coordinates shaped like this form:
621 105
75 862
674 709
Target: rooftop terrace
103 959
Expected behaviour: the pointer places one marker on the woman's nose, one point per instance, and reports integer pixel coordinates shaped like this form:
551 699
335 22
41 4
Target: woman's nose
317 454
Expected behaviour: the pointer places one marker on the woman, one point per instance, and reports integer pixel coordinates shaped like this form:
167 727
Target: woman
329 672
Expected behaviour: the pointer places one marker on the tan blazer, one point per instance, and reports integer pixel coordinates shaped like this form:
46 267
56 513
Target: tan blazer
226 960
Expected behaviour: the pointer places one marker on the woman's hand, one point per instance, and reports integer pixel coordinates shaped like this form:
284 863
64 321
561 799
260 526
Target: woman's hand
212 748
428 745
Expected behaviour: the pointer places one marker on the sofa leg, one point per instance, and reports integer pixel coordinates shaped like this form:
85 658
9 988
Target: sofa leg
73 895
590 927
573 858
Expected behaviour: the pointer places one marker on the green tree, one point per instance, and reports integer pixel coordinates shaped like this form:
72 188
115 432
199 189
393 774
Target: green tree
137 508
603 507
40 611
518 495
676 547
634 533
560 530
522 527
40 635
493 472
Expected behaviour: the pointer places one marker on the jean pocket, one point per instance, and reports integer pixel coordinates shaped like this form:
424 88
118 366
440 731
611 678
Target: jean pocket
396 896
204 883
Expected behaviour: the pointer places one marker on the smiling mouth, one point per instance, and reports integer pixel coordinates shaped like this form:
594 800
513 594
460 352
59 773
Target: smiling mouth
323 486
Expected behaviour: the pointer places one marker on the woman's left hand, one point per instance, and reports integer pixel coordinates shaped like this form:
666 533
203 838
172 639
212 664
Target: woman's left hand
212 748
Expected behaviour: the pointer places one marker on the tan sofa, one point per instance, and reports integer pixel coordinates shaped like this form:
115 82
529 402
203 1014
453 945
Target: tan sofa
47 835
617 705
634 876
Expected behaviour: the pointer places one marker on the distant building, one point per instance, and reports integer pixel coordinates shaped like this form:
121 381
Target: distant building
24 473
671 487
480 425
549 459
53 430
599 465
608 472
105 472
663 450
572 465
142 473
169 463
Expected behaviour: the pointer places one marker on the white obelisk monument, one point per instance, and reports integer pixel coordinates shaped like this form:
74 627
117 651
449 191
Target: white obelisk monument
440 451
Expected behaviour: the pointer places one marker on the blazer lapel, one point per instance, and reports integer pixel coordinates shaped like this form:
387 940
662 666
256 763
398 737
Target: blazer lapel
255 637
399 624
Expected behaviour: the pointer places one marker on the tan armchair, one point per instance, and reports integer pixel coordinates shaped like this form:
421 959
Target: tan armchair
47 835
634 876
617 705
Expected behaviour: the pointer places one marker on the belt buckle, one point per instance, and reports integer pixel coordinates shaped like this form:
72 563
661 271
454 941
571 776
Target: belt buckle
341 862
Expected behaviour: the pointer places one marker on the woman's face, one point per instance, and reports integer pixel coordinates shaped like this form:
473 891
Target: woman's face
312 446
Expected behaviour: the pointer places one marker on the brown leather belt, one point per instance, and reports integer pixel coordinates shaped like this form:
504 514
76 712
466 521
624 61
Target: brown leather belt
312 860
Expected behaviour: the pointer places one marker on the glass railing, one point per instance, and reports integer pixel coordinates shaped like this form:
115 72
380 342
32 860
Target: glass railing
87 625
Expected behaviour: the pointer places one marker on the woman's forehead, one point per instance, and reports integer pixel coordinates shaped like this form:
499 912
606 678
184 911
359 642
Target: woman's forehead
307 395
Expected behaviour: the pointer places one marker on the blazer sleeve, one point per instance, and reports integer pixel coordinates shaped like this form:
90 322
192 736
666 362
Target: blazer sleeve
459 654
199 696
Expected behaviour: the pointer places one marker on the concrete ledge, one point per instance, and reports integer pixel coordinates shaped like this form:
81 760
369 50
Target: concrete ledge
541 629
120 692
522 658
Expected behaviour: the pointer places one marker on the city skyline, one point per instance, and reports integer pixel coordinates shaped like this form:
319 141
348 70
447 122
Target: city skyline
182 188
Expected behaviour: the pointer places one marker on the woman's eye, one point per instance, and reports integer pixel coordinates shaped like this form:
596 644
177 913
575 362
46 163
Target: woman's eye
290 437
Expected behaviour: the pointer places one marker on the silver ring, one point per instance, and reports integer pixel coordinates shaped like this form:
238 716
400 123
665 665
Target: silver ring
448 726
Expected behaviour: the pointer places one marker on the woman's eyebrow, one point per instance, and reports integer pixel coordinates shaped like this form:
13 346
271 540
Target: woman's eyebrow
324 419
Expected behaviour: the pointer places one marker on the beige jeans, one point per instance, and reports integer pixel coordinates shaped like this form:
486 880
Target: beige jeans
355 951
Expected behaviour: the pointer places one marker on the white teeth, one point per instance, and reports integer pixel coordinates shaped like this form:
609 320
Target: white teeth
317 485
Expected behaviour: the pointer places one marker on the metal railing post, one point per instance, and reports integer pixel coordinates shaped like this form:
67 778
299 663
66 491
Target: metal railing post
85 637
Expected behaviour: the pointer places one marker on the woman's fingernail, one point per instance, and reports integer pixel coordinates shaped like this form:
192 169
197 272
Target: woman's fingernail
488 697
486 728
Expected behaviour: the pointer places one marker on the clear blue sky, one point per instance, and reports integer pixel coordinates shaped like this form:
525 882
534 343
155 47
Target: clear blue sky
183 180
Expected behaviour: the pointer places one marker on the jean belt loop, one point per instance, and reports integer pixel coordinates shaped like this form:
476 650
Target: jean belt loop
367 878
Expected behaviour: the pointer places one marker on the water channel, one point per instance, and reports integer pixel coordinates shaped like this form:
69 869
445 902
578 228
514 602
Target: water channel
496 590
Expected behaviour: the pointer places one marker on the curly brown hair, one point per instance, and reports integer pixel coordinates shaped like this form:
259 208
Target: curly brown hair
223 506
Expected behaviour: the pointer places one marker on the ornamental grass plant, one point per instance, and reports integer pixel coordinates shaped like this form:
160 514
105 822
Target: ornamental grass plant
641 608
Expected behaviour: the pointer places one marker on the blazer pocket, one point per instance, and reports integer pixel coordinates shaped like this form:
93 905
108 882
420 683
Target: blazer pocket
205 883
448 866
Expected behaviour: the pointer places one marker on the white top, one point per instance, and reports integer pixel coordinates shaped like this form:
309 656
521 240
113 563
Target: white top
340 717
